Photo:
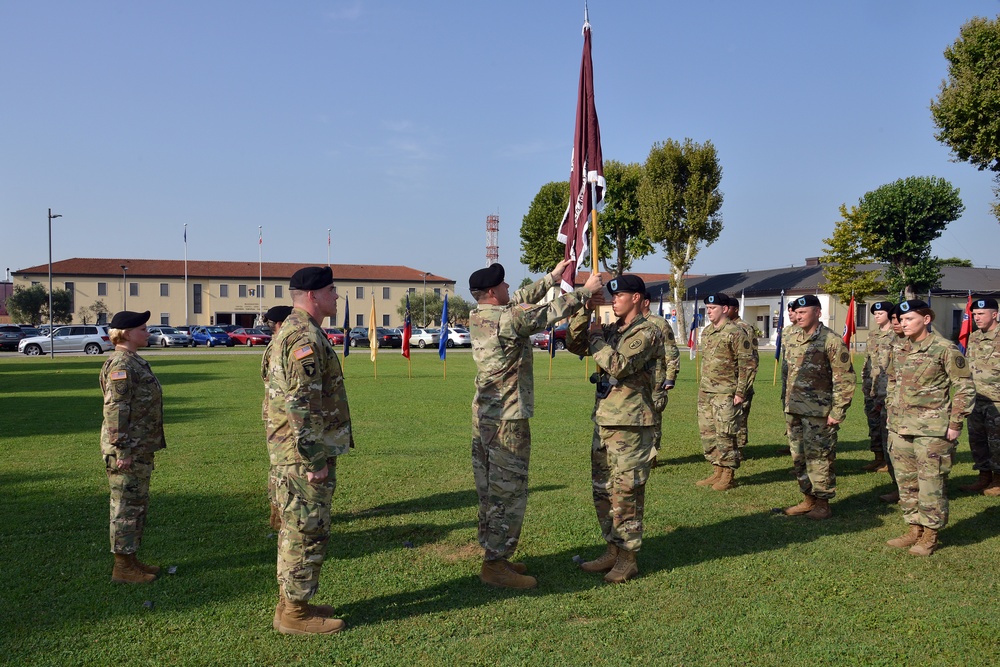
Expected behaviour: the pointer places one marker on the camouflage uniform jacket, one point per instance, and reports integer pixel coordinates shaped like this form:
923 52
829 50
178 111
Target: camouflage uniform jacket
308 419
821 379
671 355
751 334
628 357
501 347
984 359
879 349
265 362
921 377
727 365
783 335
133 407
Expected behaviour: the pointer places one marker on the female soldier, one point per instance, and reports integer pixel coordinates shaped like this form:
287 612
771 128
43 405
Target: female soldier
925 421
131 433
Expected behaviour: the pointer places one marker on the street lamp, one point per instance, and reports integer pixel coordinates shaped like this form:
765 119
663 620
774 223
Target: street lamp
425 297
52 349
124 287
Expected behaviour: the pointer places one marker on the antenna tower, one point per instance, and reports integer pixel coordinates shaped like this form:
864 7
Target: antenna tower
492 245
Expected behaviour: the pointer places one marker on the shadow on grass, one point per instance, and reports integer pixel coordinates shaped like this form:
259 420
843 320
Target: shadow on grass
449 500
973 530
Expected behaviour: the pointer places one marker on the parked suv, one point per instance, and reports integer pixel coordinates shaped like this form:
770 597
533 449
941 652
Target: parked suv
359 336
10 336
210 336
165 336
387 338
91 339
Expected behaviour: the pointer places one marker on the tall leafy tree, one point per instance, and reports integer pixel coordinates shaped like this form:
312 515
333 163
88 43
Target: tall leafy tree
91 313
540 249
845 250
967 110
31 305
679 203
621 236
901 219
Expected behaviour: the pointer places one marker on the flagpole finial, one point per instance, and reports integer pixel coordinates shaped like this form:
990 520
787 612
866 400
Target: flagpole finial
586 17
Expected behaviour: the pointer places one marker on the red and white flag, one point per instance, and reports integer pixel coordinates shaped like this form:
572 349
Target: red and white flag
586 176
849 327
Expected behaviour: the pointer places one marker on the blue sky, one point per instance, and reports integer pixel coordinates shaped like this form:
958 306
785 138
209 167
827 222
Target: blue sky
402 125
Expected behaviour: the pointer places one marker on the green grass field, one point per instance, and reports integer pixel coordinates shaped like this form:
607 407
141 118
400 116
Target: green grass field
723 581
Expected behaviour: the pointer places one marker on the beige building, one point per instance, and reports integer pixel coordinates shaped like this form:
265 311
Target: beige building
226 292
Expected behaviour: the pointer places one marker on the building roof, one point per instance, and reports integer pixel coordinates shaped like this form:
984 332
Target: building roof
154 268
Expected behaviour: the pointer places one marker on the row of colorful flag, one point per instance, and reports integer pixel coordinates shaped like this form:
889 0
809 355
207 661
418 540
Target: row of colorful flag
406 334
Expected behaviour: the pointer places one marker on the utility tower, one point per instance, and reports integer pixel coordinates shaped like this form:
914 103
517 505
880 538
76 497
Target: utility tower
492 245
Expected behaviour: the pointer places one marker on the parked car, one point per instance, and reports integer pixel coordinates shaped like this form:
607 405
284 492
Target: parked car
229 328
359 336
387 338
424 337
335 335
250 337
10 336
459 337
91 339
29 330
541 339
184 329
210 336
165 336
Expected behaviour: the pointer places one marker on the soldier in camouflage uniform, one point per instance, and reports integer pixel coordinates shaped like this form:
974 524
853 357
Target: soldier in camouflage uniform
820 387
880 377
930 393
274 317
671 366
984 421
743 414
130 435
308 427
726 373
627 354
500 327
878 338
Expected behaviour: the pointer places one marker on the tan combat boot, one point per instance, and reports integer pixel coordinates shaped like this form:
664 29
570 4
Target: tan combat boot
891 497
821 510
625 568
604 562
298 619
497 573
927 544
520 568
275 519
879 462
143 567
711 479
908 540
806 506
125 572
324 610
725 480
993 490
984 480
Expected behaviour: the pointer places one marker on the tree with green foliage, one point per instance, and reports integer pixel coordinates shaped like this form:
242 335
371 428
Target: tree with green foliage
92 313
901 219
31 305
458 309
967 110
845 251
953 261
621 237
540 249
679 202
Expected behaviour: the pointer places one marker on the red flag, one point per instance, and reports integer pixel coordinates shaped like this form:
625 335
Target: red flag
963 333
849 327
586 175
407 329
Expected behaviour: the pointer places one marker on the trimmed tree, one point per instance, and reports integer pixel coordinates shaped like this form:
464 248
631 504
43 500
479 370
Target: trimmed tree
845 250
540 249
621 236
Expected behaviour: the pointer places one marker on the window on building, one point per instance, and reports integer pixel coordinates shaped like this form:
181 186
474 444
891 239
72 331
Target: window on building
133 289
70 287
165 319
956 321
260 291
102 289
359 320
243 291
224 291
437 291
196 305
164 289
860 315
278 292
359 292
413 290
385 320
385 292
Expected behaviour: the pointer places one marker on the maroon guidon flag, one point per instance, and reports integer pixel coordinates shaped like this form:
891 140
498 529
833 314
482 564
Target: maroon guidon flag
586 174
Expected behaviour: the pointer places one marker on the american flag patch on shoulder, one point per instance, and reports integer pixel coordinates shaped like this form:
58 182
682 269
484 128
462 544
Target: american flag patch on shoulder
303 352
118 375
525 306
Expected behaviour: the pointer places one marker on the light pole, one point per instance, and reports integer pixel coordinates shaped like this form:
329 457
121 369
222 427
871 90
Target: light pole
52 349
124 287
425 297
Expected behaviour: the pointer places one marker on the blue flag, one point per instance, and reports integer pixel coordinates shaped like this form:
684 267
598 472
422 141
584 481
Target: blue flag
443 343
347 326
781 325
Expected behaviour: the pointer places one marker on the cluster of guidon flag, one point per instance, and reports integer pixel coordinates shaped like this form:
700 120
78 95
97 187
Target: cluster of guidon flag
966 329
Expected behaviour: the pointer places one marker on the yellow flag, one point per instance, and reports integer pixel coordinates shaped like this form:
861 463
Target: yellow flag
372 332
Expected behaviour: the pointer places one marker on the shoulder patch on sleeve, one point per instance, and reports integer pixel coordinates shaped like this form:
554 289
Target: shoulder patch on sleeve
303 352
844 357
746 345
959 361
635 344
525 306
118 375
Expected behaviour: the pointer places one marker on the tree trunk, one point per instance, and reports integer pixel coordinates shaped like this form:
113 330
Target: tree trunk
678 285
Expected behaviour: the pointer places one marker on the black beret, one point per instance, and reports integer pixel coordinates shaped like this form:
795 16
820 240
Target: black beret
885 306
911 305
126 319
805 301
987 303
484 279
627 283
311 278
717 299
278 313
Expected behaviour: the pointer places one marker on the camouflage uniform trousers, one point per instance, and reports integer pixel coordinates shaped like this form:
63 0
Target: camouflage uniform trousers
882 434
984 435
272 487
814 449
657 436
718 423
922 465
876 421
305 528
129 502
743 415
500 452
619 465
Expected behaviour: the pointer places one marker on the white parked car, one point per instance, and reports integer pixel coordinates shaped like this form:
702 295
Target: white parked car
90 338
424 337
459 337
165 336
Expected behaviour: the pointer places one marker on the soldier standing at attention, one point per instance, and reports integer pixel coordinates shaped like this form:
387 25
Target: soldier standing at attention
274 317
875 411
880 382
984 421
308 427
925 420
501 326
726 373
131 433
671 366
743 414
627 354
819 390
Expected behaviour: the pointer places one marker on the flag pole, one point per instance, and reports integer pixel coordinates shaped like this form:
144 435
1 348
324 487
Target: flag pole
186 311
260 269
